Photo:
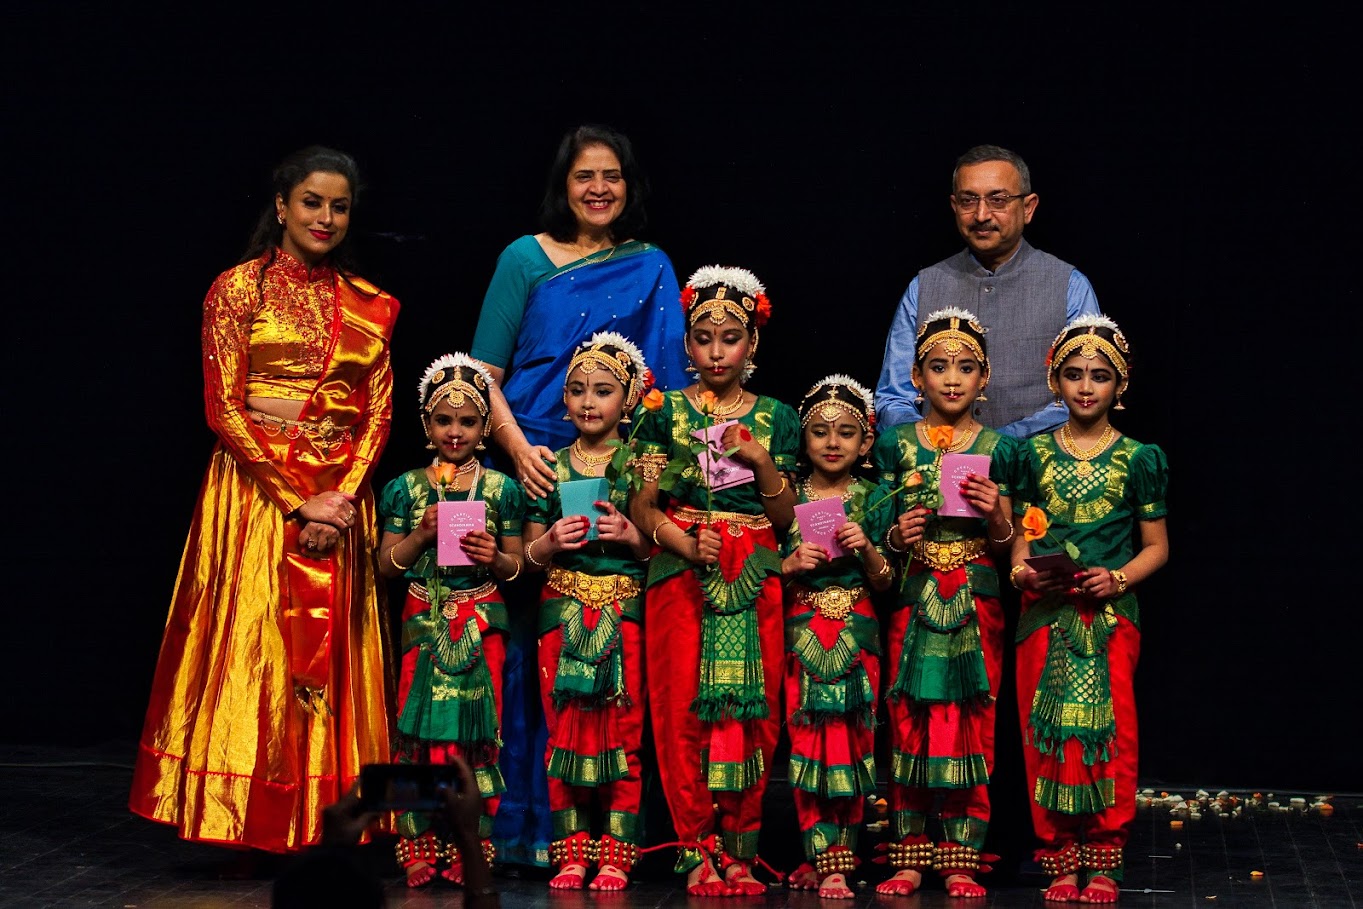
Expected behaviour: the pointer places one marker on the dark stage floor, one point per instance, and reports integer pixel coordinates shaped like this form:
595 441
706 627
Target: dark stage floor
68 840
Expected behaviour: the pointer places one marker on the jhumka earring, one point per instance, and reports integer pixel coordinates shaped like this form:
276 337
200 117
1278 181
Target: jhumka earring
1118 405
430 443
919 398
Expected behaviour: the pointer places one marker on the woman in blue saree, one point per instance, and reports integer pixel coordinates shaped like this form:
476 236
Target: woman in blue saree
585 272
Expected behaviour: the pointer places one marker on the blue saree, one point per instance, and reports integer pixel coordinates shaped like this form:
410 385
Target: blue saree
630 289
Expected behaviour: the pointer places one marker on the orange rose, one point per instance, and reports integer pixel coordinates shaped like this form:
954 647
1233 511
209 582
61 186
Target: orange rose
653 401
913 479
706 402
940 436
1034 524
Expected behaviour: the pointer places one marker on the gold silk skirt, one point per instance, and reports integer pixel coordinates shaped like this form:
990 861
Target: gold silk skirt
232 750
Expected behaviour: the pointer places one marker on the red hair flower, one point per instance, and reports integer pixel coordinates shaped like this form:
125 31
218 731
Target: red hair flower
688 296
763 310
648 380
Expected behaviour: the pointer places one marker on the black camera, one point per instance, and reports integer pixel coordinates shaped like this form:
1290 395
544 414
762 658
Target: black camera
406 787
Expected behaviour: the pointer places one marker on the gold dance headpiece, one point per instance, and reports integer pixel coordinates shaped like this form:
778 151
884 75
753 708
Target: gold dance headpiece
621 357
956 330
458 378
839 393
718 291
1090 335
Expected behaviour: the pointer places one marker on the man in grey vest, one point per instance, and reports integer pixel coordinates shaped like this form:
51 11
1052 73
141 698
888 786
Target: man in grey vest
1023 297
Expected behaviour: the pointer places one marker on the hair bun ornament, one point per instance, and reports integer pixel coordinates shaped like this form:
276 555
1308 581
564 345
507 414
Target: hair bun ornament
718 291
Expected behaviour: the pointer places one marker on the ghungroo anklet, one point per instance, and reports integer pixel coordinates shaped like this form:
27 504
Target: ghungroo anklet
610 851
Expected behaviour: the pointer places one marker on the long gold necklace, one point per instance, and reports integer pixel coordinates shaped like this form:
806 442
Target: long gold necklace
954 446
1084 455
807 488
590 460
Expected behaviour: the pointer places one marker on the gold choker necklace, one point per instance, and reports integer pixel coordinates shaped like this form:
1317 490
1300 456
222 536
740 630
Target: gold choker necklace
807 488
591 461
1084 455
720 411
954 446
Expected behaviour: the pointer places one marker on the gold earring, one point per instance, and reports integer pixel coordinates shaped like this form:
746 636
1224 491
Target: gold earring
919 399
1118 405
281 218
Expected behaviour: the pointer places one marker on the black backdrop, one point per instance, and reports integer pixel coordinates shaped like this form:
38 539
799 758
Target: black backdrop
1172 158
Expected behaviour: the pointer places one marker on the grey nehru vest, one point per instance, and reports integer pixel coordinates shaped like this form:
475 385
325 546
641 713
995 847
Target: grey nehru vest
1022 307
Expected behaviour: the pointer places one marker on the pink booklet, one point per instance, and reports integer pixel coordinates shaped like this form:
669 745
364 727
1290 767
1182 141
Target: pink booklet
455 519
955 468
723 472
819 523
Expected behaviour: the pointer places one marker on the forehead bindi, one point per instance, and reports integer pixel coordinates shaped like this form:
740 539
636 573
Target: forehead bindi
326 186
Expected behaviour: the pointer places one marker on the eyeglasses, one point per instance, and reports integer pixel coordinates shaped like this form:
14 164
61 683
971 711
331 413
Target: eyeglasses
996 202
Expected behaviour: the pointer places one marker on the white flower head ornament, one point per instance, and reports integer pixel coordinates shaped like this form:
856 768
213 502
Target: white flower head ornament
617 354
719 291
835 393
458 378
1090 335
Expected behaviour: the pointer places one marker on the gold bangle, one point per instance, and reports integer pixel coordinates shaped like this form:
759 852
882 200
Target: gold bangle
1013 575
1007 537
889 542
396 564
661 524
517 573
884 571
1120 577
530 553
784 484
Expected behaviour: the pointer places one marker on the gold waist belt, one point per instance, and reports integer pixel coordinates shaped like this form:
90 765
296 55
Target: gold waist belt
323 433
450 606
832 602
594 590
735 520
947 556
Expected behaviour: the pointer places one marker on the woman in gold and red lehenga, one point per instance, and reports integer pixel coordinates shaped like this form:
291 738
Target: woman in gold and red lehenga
270 689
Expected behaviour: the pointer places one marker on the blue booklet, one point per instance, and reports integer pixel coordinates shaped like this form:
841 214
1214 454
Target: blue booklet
579 497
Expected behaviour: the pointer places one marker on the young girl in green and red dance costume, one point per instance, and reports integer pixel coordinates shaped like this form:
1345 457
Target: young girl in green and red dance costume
591 646
832 666
1078 637
450 688
713 614
945 639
